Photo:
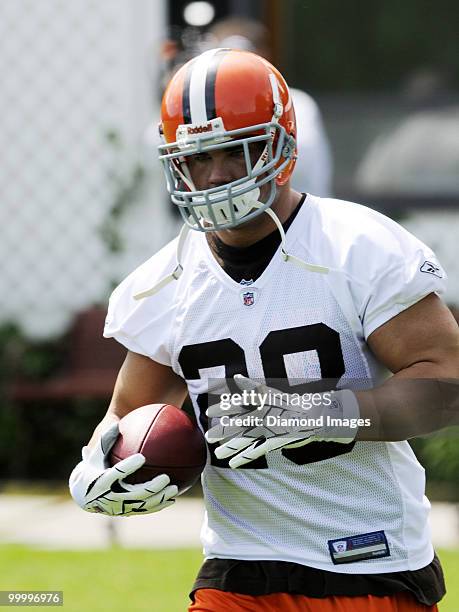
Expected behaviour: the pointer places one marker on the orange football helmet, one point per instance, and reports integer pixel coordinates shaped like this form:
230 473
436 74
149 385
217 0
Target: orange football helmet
225 98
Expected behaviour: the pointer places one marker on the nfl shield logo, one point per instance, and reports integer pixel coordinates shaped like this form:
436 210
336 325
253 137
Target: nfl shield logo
340 546
248 298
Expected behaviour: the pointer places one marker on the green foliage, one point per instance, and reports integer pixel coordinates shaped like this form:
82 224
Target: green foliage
43 440
442 455
33 434
373 45
21 357
126 190
9 428
11 349
439 454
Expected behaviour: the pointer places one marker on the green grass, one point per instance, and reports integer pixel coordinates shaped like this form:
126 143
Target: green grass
124 580
116 580
450 562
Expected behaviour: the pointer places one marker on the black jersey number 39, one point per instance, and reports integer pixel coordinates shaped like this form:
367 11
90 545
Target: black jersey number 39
319 337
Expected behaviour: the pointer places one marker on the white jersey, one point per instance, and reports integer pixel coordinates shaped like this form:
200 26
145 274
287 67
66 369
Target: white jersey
295 323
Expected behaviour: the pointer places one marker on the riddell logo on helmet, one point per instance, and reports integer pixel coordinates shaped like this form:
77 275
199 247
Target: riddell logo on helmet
199 129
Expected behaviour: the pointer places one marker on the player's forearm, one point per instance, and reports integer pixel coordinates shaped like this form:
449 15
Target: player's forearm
403 408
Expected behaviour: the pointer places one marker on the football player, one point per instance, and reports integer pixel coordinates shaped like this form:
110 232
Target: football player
268 283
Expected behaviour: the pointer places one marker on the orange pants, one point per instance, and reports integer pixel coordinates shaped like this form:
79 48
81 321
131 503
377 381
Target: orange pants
213 600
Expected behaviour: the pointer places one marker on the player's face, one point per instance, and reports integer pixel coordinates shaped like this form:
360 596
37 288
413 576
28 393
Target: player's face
222 166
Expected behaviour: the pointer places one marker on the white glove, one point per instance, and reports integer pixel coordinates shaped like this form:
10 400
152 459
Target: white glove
98 488
248 442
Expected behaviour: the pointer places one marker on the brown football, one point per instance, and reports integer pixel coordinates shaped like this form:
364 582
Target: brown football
169 440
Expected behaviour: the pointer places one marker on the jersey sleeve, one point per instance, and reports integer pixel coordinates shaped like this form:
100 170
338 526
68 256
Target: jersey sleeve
399 270
143 326
387 268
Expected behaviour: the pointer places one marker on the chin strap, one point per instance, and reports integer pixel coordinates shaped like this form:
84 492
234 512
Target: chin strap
287 256
177 272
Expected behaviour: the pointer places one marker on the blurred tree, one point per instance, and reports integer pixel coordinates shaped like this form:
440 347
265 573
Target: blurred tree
329 45
439 454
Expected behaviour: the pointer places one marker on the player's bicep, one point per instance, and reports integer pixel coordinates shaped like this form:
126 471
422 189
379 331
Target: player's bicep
143 381
423 338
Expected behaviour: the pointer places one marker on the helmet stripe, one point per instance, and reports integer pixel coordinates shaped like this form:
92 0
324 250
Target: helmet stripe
198 100
210 83
186 112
